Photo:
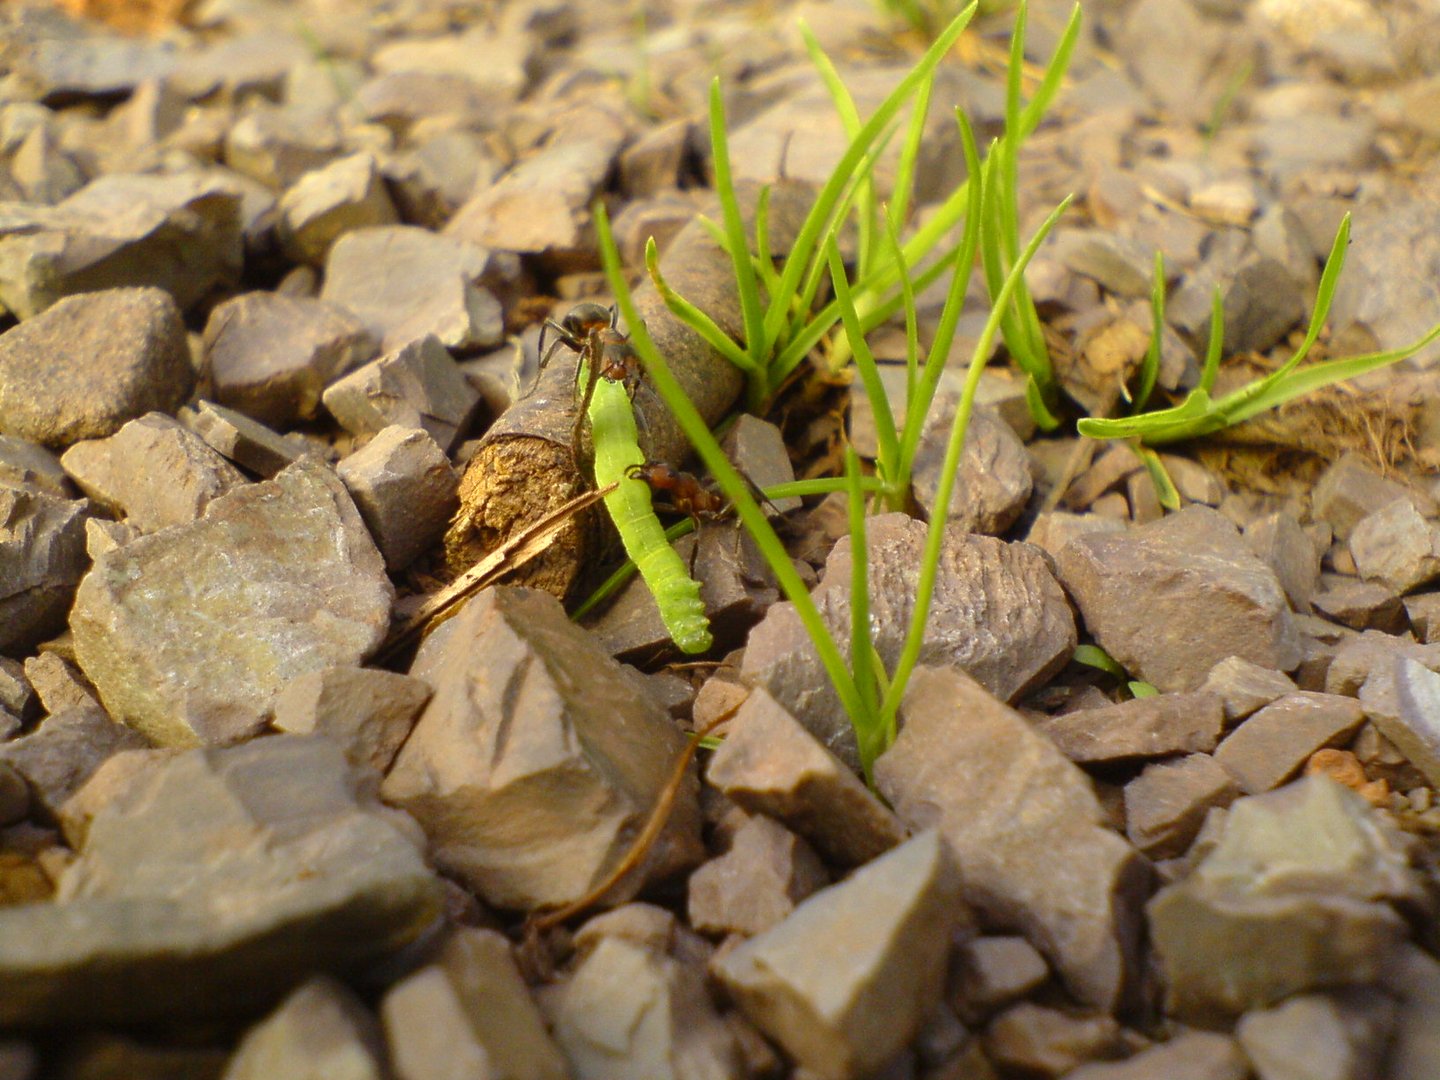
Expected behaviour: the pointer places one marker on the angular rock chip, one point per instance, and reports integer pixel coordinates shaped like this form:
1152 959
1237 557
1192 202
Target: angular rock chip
1271 746
1026 829
244 441
1396 547
327 203
468 1014
1244 687
91 363
211 885
62 753
179 233
629 1012
993 482
284 568
406 490
42 558
320 1030
997 614
1036 1040
757 883
102 66
367 712
1142 727
1166 804
1359 658
1171 599
403 283
769 764
538 758
1293 897
1351 490
271 356
1191 1055
1414 977
1403 701
154 471
416 386
990 972
24 464
1337 1036
1283 545
1361 605
849 1015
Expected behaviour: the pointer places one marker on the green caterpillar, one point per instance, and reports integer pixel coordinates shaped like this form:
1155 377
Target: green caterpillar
617 448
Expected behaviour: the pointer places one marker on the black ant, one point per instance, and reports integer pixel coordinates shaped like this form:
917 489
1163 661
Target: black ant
590 330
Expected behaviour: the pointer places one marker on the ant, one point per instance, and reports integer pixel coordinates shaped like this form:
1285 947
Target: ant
590 330
687 494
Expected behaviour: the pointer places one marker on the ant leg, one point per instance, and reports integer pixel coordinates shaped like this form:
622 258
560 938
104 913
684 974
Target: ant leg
592 377
695 548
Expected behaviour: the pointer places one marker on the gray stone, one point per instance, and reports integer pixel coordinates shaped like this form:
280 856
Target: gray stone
1244 687
178 233
629 1012
1166 804
997 614
211 884
1036 1040
277 146
14 797
25 464
103 66
1423 611
271 356
1143 727
145 617
323 205
1391 309
1361 656
57 683
154 471
1396 547
42 558
400 99
1403 701
1413 976
406 490
45 173
320 1032
430 182
1293 897
368 713
1190 1055
769 764
992 483
1171 599
651 164
757 448
1360 605
966 762
17 696
1262 302
757 883
1351 490
1121 265
1339 1036
91 363
534 733
415 386
244 441
849 1015
1282 544
989 973
1273 744
239 66
468 1014
404 283
1053 529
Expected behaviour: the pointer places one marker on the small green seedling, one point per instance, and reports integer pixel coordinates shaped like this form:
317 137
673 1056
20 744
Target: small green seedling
1095 657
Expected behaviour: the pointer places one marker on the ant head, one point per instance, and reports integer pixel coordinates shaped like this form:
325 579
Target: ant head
580 320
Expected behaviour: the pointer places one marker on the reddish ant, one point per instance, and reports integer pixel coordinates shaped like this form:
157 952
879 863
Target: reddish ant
687 494
589 329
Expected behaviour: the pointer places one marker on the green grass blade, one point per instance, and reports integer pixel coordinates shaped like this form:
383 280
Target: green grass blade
889 446
870 739
1211 370
910 152
1054 76
1165 489
764 249
756 343
1196 415
696 319
1150 366
907 303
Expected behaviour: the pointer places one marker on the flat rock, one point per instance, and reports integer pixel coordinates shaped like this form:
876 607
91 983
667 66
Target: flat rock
629 1011
367 712
1244 687
24 464
1171 599
102 67
403 283
178 233
325 204
1293 897
57 682
1273 744
276 146
1396 547
1283 545
154 471
245 64
1339 1036
1360 605
248 443
145 616
209 887
1037 1040
535 733
769 764
1402 699
1166 805
847 1016
1413 976
322 1030
1026 829
415 386
406 490
270 356
757 883
757 448
91 363
1350 490
997 614
993 482
1053 529
42 558
1143 727
61 754
1423 612
1191 1055
468 1013
1361 656
990 972
1121 265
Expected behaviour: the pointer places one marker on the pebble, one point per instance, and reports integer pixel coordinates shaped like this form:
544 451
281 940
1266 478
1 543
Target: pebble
406 490
415 386
368 713
329 202
757 883
1166 805
1145 727
1276 741
42 559
320 1030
